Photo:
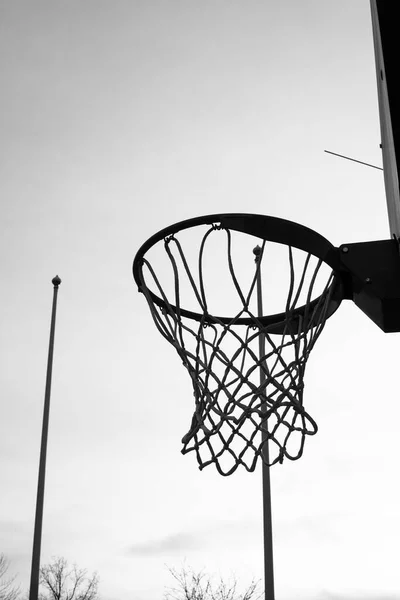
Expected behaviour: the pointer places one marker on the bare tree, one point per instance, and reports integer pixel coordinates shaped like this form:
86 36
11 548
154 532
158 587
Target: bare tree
63 582
192 585
8 590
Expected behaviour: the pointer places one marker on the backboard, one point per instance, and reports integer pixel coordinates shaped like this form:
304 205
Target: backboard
385 23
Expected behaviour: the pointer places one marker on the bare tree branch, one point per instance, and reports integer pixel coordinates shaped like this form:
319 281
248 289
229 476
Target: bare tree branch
191 585
8 591
62 582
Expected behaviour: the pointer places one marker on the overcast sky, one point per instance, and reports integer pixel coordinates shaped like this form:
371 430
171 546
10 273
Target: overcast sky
119 118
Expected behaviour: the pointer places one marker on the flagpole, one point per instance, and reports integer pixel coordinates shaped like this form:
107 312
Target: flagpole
266 481
37 536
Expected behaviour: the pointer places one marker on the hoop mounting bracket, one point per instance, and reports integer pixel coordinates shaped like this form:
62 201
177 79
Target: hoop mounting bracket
372 280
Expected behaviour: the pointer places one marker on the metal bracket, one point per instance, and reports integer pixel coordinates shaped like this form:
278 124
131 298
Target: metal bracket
371 276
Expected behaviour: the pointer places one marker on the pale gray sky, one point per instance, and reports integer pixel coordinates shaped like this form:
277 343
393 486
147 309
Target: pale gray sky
118 119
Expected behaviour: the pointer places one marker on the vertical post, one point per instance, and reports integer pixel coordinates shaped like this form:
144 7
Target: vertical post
37 536
266 482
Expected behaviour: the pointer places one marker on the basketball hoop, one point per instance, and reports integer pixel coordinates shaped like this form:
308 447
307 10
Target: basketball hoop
237 413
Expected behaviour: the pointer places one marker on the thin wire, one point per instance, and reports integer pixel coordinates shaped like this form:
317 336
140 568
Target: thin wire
354 160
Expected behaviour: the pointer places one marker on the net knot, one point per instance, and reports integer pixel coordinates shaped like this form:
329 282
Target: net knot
216 226
169 239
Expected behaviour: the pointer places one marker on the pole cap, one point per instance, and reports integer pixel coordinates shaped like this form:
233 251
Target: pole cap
56 281
257 253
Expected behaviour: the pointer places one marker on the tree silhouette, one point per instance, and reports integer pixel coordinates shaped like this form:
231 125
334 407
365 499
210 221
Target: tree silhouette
63 582
8 591
192 585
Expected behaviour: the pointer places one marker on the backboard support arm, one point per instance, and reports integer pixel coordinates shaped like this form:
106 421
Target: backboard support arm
371 276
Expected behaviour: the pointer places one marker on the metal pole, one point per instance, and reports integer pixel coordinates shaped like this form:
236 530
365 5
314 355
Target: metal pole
37 536
266 482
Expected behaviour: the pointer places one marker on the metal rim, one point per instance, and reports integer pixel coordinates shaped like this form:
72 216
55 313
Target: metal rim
271 229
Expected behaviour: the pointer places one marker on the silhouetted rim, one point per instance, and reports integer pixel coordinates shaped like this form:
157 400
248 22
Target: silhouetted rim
271 229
